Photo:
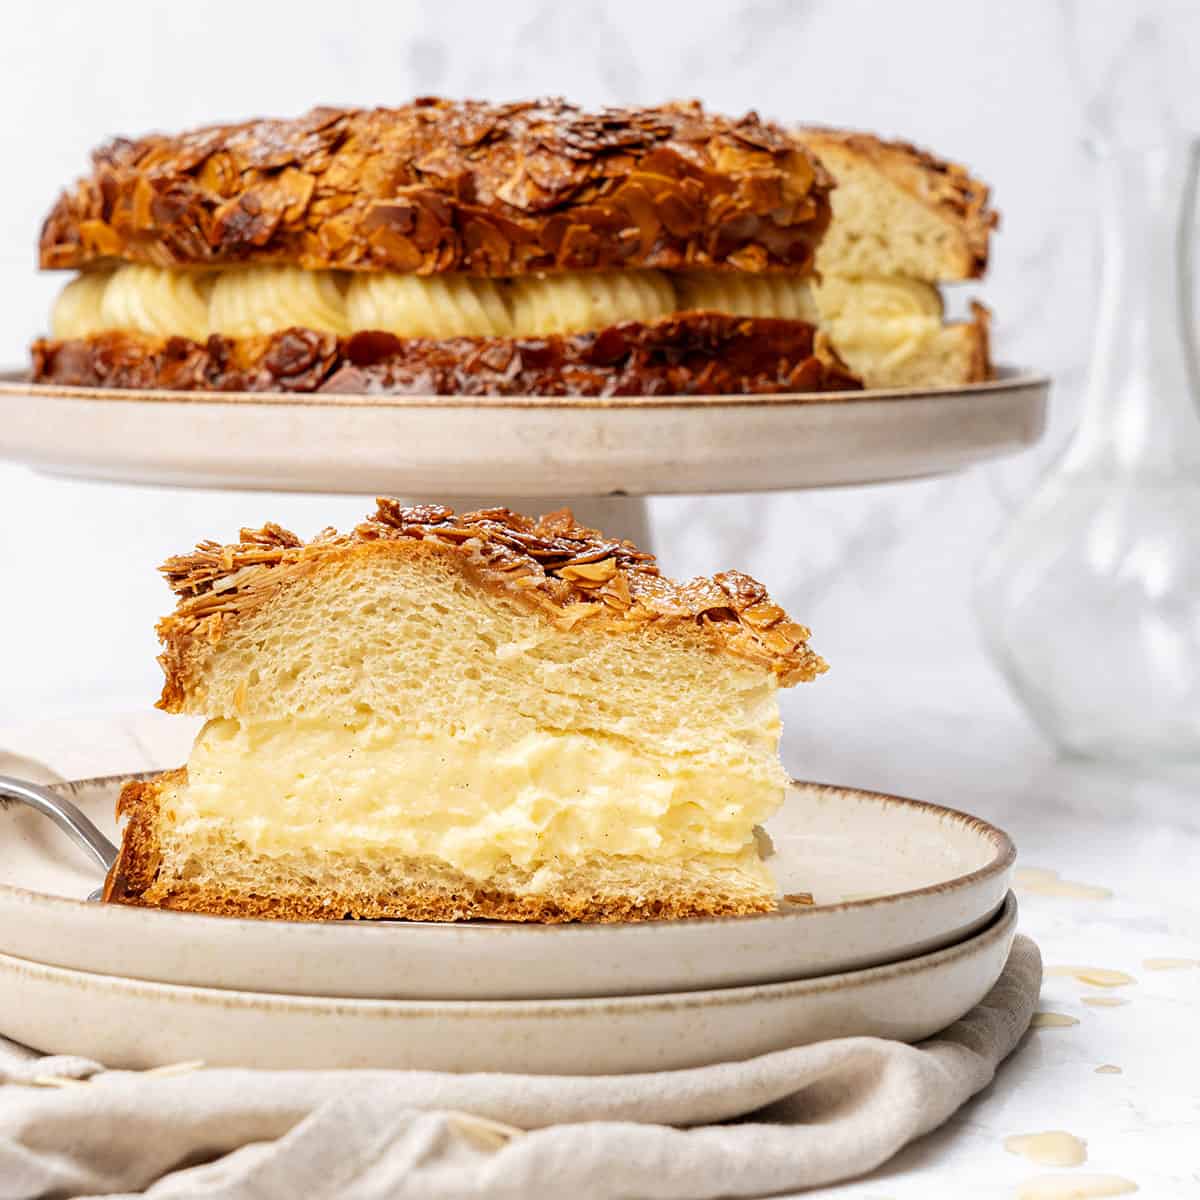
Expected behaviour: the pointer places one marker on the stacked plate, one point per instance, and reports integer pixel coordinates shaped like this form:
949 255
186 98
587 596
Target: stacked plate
910 925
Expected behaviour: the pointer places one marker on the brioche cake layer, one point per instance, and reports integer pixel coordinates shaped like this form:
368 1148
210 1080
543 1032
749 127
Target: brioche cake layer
908 219
899 210
452 185
405 606
441 716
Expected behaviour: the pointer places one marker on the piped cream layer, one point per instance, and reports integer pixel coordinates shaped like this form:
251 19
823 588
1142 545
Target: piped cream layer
470 799
888 316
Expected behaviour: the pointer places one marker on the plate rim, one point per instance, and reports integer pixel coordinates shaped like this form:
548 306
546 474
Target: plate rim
15 382
1001 925
1002 860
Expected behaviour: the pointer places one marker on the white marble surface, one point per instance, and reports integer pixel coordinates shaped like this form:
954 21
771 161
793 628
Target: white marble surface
1134 833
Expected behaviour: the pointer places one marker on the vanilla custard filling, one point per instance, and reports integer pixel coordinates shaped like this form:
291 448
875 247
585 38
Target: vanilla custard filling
882 319
471 799
889 316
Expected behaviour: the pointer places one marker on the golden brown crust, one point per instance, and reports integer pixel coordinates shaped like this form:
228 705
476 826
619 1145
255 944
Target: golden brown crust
693 353
136 866
551 565
945 186
465 903
444 185
981 359
133 880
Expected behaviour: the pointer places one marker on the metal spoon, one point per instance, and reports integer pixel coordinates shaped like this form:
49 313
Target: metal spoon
65 815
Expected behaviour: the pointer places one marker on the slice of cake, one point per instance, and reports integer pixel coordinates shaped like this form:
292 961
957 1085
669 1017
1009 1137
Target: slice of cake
440 716
904 222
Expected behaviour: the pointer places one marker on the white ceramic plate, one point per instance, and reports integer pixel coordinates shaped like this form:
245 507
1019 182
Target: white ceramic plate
515 446
131 1023
933 876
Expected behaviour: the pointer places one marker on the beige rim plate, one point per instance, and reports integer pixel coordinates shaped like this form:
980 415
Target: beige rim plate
892 878
131 1023
515 446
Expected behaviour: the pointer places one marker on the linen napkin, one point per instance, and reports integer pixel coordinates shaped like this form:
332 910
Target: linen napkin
782 1122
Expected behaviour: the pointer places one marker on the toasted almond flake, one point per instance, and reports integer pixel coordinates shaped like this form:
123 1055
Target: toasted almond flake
594 572
1093 976
1033 875
1074 1187
1054 1148
1045 882
1105 1001
486 1133
169 1069
1052 1020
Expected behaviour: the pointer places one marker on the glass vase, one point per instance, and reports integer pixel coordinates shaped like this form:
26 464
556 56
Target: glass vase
1090 600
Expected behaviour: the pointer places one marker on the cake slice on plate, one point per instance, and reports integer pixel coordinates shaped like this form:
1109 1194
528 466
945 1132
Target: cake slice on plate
441 716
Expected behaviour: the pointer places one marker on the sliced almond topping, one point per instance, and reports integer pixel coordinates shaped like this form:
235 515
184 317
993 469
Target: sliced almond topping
596 572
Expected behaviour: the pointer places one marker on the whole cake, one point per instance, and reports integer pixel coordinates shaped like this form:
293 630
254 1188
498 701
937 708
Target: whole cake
441 716
461 247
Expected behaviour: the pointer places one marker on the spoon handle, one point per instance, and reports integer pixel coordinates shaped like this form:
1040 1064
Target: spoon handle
64 814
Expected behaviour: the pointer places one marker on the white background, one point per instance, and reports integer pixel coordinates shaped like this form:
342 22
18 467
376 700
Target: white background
882 575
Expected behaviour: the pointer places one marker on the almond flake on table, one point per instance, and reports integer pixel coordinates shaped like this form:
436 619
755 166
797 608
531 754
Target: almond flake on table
1052 1020
1045 882
1074 1187
1093 976
1053 1148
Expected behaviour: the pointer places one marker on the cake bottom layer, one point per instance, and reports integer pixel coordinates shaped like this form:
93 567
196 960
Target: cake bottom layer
222 875
601 890
695 353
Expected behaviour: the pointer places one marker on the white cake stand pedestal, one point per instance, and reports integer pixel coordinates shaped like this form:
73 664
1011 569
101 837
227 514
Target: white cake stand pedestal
599 456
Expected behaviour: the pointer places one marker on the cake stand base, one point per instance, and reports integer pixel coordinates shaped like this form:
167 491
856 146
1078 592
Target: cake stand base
517 448
617 516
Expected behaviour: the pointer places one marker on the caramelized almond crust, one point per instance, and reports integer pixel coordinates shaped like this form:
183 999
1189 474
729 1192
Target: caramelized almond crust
551 565
447 185
982 368
133 880
687 354
136 867
945 186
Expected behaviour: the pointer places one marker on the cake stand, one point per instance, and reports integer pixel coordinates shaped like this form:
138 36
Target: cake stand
599 455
